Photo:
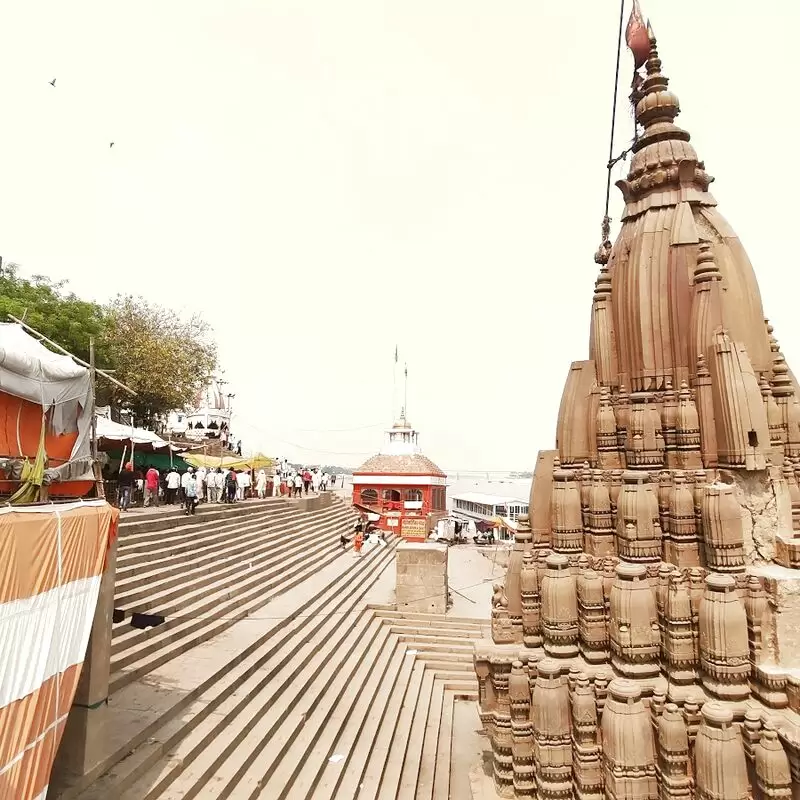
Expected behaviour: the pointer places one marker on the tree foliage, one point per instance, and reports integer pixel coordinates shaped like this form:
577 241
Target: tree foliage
166 359
50 309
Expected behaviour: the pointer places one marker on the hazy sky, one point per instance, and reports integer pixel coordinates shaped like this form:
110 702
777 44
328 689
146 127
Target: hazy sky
323 180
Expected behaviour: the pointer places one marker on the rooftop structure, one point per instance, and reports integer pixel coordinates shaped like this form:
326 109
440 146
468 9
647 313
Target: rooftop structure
402 490
642 645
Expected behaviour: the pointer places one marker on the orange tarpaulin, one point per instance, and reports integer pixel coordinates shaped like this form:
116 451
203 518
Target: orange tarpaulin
20 426
51 563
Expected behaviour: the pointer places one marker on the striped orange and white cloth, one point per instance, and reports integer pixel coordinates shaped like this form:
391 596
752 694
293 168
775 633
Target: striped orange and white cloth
52 559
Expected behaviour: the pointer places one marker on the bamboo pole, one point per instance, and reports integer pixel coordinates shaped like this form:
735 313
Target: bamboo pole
42 338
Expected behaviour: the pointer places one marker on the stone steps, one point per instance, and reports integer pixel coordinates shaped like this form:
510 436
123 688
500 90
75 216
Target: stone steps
266 540
336 699
273 664
145 587
211 606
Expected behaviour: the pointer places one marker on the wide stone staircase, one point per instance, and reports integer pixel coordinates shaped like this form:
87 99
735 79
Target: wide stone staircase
303 688
204 573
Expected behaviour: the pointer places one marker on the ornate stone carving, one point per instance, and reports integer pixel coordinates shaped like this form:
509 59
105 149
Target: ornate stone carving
633 628
559 608
724 650
673 489
628 753
721 769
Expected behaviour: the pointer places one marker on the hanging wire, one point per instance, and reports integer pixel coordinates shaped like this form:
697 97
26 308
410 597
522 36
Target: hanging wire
611 160
603 253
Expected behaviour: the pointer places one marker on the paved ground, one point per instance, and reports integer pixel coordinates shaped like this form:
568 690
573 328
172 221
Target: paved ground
470 575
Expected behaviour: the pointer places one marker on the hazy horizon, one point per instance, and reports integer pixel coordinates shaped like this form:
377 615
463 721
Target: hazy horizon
325 181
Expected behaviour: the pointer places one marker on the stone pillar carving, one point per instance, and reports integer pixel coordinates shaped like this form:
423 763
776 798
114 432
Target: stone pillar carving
722 529
531 602
502 629
512 589
724 650
673 767
566 509
487 702
669 422
773 774
705 412
628 753
608 450
599 538
698 492
602 347
644 443
638 526
502 741
664 489
587 766
559 608
592 620
706 314
794 492
688 431
783 391
633 623
519 694
720 766
680 644
755 606
741 421
681 545
550 714
623 416
777 433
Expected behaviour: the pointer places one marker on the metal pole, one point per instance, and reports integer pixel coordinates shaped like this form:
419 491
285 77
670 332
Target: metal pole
93 378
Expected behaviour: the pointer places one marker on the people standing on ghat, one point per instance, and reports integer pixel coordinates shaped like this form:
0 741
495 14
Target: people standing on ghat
276 483
242 483
173 482
298 484
151 487
184 480
316 480
218 485
261 484
306 479
358 542
190 494
200 477
126 481
230 486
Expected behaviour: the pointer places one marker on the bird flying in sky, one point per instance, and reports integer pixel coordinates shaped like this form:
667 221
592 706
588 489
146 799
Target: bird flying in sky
53 82
112 144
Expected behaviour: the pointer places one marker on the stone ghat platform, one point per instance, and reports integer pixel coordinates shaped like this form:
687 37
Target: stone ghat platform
296 679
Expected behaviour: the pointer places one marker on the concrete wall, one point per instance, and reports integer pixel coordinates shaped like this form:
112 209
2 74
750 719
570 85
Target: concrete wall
422 577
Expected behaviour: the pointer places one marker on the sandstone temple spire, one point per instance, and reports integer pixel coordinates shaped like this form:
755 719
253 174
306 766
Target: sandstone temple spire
662 562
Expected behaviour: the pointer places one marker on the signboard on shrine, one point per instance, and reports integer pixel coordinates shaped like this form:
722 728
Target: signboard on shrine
414 529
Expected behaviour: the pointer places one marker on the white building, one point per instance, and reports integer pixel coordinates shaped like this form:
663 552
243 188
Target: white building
208 418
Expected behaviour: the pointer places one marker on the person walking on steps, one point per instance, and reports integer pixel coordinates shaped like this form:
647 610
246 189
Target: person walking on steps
173 483
151 487
190 492
358 542
126 480
298 485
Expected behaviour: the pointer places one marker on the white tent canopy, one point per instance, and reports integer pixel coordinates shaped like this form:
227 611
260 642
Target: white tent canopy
108 429
55 382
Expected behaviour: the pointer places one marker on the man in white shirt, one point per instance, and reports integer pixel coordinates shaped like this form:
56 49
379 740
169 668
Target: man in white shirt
219 483
185 478
173 482
200 477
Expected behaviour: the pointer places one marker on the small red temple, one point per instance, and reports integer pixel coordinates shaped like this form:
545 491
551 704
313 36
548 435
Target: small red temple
400 489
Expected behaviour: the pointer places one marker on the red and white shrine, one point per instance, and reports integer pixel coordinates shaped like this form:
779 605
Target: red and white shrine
400 489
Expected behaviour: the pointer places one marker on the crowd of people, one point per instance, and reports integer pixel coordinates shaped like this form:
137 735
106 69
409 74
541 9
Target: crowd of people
217 485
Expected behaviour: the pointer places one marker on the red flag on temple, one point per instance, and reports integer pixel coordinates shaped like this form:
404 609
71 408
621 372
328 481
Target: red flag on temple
636 36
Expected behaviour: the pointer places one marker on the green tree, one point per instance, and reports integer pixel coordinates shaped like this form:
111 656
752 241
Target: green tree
48 307
164 358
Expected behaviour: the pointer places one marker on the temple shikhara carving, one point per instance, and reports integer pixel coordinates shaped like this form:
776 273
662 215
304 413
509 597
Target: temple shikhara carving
646 643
